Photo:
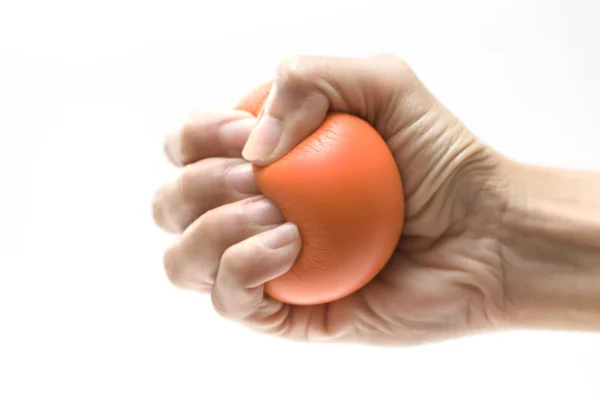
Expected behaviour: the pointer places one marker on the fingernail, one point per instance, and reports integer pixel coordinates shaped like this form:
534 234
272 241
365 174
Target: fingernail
281 236
241 178
263 139
263 212
235 134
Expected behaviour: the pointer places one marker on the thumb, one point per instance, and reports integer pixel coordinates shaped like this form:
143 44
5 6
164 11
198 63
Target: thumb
306 88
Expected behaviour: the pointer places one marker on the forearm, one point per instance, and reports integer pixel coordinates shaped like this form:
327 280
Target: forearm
550 248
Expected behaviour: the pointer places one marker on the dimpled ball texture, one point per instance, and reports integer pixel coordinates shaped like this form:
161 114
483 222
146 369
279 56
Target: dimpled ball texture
342 188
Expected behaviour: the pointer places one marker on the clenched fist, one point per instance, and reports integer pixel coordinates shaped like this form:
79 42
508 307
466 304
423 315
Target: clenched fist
451 274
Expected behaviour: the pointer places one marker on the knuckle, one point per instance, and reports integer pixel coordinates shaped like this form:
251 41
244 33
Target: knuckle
398 68
214 225
232 265
288 66
158 214
188 183
172 266
172 148
218 304
294 70
389 58
162 213
179 143
186 139
207 224
299 83
237 264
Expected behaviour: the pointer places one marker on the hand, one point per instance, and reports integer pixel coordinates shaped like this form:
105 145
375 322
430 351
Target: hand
445 279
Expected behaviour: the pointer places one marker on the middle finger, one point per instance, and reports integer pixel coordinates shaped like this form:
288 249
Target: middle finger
200 187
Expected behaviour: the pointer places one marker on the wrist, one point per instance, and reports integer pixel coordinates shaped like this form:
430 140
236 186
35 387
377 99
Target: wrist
550 248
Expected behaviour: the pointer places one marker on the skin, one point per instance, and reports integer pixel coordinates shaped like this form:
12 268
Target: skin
488 243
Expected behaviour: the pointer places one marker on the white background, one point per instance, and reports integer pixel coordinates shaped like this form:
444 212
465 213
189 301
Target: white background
87 90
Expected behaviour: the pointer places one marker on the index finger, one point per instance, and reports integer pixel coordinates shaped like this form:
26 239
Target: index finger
211 133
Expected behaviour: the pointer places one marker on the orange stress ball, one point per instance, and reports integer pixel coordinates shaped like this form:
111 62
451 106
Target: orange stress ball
341 186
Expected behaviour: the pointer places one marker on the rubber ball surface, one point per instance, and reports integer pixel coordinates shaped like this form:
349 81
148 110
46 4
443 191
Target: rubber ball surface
342 187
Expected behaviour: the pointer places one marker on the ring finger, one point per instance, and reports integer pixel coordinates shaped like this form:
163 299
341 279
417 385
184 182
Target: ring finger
193 260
